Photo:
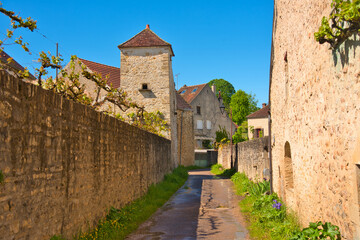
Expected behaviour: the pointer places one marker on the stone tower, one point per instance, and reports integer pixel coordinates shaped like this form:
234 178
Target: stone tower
147 76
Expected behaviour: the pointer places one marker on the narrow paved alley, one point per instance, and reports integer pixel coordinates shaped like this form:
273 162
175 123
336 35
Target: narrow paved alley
204 208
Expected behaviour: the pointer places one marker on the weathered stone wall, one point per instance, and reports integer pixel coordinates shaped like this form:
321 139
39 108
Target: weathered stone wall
250 157
253 158
186 146
315 111
66 164
151 66
224 155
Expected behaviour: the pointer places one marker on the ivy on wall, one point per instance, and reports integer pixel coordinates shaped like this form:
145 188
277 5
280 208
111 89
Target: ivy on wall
343 22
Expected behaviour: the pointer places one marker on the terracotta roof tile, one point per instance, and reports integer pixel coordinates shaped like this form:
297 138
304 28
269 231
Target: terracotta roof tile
262 113
181 104
146 38
13 64
189 93
104 70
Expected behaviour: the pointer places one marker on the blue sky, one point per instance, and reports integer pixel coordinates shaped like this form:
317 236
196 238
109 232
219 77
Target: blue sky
210 39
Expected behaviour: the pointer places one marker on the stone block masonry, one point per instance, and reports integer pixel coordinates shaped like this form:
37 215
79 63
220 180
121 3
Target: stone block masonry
253 158
250 157
315 112
66 164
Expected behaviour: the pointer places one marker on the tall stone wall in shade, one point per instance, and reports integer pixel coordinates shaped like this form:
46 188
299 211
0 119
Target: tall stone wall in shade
315 111
253 158
66 164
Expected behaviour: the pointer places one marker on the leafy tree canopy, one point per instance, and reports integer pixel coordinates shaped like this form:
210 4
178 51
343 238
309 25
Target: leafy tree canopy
242 104
241 134
226 89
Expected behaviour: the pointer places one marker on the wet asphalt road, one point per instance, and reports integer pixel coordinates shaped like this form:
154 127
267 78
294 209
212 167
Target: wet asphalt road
201 209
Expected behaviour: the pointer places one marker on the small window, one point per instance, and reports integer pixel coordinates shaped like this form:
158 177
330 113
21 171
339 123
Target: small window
198 110
184 91
208 124
194 90
144 86
199 124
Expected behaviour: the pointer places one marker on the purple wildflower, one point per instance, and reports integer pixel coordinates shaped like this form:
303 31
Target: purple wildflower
277 205
265 179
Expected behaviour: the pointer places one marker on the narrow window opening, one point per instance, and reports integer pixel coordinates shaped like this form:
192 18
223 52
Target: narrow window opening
144 86
198 110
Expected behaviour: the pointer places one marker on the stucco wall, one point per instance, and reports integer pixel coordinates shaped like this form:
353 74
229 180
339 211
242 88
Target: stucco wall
66 164
315 118
185 125
262 123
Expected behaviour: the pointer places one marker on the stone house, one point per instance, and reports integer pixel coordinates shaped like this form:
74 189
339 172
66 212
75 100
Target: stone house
146 76
258 122
207 115
315 112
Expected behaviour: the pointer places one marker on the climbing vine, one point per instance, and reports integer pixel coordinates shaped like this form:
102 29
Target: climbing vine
343 22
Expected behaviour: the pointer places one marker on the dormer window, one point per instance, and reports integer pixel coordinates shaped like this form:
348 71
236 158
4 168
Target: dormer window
194 90
183 92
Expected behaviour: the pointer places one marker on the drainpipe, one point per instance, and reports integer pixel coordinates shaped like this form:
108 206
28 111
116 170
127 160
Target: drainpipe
269 116
181 123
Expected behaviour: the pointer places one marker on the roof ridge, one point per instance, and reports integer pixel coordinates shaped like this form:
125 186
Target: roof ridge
98 63
194 86
146 29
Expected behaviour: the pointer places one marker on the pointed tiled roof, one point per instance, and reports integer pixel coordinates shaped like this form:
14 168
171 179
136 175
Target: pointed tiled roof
181 104
262 113
146 38
104 70
189 93
13 64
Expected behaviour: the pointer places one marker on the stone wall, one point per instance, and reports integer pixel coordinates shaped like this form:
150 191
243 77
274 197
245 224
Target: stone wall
186 146
315 95
66 164
224 155
253 158
250 157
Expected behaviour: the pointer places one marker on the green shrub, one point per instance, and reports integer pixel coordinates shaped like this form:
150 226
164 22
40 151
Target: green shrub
318 230
217 169
259 188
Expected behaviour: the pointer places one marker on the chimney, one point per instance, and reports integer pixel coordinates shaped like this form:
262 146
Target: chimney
147 26
213 88
264 105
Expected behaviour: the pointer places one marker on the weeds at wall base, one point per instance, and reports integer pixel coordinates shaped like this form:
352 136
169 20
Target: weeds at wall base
118 223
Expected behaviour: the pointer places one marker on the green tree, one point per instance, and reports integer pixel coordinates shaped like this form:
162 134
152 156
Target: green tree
241 134
226 89
242 104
